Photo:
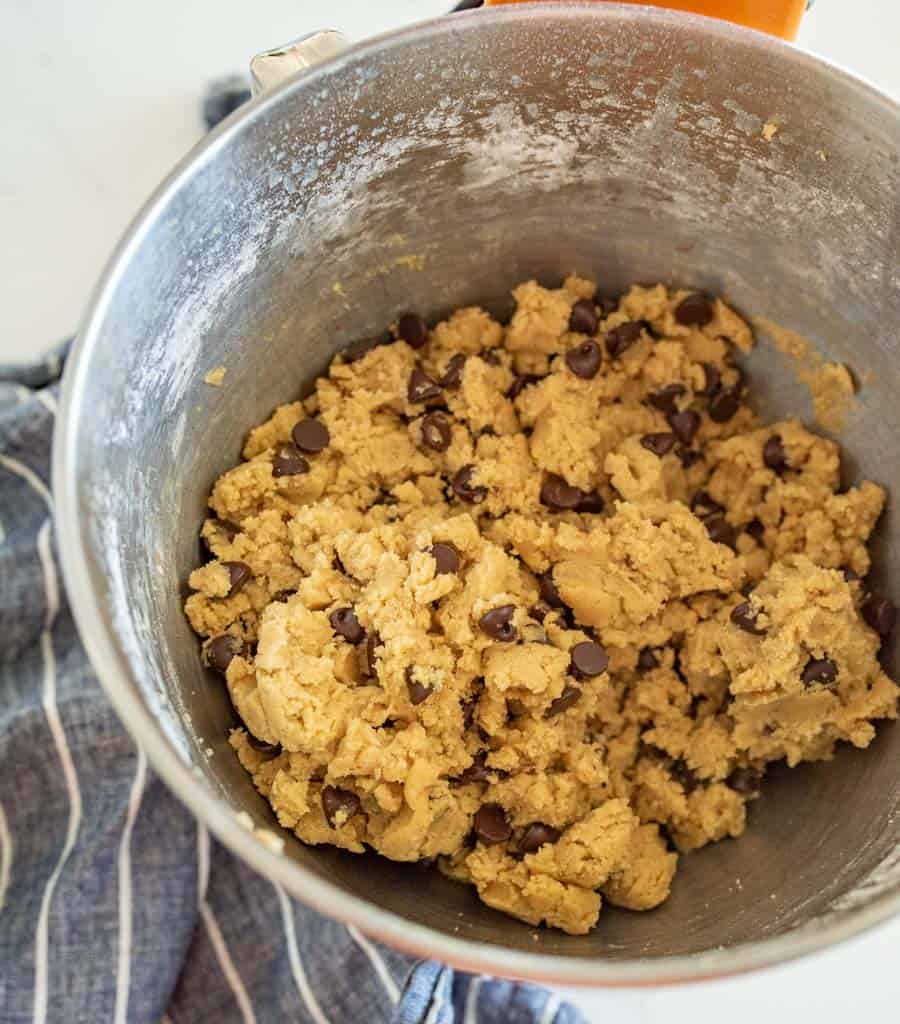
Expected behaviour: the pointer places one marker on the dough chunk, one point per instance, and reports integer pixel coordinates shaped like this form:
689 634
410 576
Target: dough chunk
543 625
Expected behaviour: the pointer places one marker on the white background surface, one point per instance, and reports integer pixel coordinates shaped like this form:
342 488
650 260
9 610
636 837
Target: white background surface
102 99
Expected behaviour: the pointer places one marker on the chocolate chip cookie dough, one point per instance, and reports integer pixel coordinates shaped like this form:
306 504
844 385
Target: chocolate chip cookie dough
540 601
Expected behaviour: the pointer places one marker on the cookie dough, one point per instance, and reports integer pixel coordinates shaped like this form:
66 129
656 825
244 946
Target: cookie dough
540 601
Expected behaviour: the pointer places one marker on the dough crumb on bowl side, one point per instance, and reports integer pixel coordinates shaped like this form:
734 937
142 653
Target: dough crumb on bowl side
540 602
216 377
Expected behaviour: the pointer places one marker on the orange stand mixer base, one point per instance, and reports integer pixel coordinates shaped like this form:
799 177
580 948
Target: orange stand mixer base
777 17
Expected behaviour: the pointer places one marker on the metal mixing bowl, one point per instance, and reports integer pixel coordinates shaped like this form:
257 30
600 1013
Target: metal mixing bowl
430 168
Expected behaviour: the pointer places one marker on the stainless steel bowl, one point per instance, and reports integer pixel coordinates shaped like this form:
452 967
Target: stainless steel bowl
437 166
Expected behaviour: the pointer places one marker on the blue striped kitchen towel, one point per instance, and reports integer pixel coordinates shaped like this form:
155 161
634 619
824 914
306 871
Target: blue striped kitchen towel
115 905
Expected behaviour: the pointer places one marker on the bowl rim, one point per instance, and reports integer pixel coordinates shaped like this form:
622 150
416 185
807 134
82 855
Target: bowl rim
111 662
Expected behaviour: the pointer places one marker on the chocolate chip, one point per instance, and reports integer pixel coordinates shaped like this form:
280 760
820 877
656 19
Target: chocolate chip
369 662
588 659
491 356
756 529
421 387
724 405
819 670
238 574
567 699
721 531
659 444
880 613
497 623
666 400
539 611
591 503
288 461
221 650
515 709
477 771
446 559
694 311
620 338
412 329
436 433
491 824
774 455
713 380
683 775
744 616
607 303
547 587
470 704
339 804
465 490
417 691
452 377
583 319
703 506
684 425
310 436
520 383
745 781
584 360
689 458
536 835
647 660
268 750
345 623
558 495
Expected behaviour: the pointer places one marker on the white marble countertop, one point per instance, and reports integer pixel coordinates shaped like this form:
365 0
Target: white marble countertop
102 99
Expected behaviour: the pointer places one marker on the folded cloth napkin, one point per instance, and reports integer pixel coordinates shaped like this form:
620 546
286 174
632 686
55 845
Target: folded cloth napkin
115 905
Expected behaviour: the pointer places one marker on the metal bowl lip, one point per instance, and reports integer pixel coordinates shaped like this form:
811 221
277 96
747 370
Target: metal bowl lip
111 662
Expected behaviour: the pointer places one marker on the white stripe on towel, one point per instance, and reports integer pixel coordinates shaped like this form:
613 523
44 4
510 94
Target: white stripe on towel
472 1001
437 998
215 933
47 400
6 856
29 475
551 1008
287 914
123 970
378 965
202 863
51 711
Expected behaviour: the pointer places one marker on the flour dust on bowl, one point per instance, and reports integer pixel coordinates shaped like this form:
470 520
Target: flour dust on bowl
627 144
